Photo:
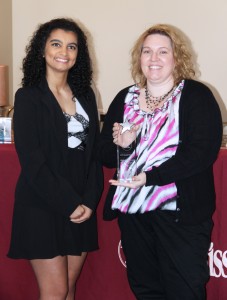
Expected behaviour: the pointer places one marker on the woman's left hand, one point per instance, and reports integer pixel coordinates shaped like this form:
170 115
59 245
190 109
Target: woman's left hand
85 216
137 181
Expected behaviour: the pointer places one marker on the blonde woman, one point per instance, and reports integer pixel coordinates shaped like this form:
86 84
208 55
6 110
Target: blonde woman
164 213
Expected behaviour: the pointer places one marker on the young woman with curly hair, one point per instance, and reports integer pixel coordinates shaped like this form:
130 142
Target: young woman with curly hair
56 131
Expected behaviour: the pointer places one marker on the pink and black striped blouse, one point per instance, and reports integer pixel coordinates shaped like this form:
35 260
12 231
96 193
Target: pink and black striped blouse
157 141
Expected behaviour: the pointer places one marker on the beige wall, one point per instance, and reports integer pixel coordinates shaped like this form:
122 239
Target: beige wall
114 26
6 56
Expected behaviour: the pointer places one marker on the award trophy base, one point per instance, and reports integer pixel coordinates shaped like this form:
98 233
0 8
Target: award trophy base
126 163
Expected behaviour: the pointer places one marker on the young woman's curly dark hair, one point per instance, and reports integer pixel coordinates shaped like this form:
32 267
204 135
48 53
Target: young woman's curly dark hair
34 66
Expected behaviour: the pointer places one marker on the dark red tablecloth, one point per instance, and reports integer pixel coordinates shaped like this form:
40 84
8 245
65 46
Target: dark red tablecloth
217 286
103 276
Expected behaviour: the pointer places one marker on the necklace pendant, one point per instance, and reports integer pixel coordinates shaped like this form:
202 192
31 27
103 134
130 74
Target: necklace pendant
153 102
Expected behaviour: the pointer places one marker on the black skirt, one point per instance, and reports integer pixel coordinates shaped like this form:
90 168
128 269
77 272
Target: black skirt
39 232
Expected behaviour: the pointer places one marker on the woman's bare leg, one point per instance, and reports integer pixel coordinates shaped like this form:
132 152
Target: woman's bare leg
75 264
52 277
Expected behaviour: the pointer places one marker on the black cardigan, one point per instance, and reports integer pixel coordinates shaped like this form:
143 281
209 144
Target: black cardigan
41 143
191 168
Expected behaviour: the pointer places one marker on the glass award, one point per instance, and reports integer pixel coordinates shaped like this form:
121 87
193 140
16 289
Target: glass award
126 159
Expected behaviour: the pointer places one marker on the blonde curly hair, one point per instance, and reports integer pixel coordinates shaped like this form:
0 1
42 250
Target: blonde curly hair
184 68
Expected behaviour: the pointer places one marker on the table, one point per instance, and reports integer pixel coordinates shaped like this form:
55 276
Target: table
217 286
104 273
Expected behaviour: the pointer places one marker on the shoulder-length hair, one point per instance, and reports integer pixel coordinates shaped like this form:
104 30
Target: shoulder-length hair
184 68
34 65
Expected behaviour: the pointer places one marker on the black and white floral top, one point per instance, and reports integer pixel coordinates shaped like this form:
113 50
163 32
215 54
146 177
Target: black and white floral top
78 127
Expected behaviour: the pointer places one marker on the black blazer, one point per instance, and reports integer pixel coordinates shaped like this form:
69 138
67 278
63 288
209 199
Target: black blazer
40 133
